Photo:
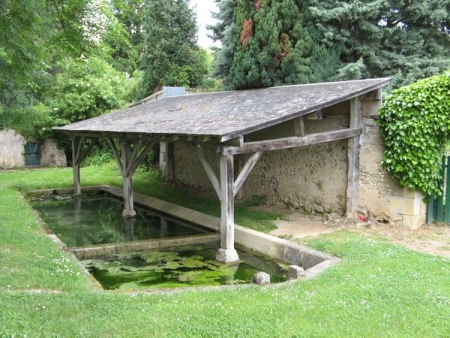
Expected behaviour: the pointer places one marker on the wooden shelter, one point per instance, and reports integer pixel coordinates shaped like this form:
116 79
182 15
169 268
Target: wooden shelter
225 120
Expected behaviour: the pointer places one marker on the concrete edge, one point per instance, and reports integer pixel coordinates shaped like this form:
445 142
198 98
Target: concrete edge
160 243
313 261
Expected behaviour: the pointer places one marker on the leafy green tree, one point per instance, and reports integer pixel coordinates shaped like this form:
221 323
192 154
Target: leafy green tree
405 39
86 88
35 32
126 53
171 55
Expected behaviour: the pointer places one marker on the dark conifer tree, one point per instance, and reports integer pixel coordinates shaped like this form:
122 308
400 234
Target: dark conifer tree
406 39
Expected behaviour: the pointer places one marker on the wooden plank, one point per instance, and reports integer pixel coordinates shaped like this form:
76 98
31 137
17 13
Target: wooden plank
246 171
354 146
78 149
127 180
170 164
116 155
209 170
129 168
375 94
291 142
86 151
76 144
299 126
227 252
142 156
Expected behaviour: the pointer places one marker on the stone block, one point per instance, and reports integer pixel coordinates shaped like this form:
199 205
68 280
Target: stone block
52 155
413 221
261 278
295 272
408 193
405 206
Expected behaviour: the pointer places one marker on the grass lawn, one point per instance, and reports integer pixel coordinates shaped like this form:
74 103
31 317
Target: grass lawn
378 290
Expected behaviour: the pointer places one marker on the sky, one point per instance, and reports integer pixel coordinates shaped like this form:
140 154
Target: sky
204 8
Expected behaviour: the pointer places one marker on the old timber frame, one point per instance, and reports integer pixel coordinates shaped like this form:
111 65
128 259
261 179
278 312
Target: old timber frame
226 120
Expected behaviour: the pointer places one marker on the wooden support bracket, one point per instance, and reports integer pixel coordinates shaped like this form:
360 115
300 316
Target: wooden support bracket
209 170
246 171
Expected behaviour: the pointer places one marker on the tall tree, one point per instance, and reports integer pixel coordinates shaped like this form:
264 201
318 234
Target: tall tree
33 33
267 43
402 38
171 55
126 54
224 31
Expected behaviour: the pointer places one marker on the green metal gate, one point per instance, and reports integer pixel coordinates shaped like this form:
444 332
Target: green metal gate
32 154
439 208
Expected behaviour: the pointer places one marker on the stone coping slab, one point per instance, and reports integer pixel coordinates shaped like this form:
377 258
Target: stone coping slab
313 261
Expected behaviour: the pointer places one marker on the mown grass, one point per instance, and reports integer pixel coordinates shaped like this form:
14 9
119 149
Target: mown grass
378 290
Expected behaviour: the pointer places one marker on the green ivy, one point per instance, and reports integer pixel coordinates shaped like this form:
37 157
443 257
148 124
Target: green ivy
415 124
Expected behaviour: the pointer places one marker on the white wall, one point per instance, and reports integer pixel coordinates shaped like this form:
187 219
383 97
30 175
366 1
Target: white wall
11 149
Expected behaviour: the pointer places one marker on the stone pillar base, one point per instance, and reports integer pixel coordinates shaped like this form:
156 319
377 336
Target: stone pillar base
128 213
227 256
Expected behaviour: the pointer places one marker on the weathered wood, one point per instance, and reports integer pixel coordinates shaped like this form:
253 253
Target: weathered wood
76 144
88 149
78 155
208 169
130 165
375 94
233 142
143 155
291 142
299 126
128 160
354 145
170 164
127 179
225 115
116 154
79 148
227 253
246 171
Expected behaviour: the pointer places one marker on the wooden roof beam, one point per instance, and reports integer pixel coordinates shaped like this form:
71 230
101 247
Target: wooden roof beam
291 142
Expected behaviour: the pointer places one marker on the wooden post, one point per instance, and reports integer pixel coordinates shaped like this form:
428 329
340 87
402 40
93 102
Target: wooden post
76 145
128 210
128 161
227 253
170 162
78 155
354 145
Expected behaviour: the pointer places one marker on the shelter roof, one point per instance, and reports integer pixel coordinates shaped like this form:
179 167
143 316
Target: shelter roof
224 115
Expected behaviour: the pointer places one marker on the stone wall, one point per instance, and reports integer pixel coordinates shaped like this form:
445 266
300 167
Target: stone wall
11 149
187 167
380 196
52 155
314 178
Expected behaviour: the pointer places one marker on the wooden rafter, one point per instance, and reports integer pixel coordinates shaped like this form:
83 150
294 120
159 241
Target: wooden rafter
291 142
128 159
354 145
208 169
78 156
299 126
246 171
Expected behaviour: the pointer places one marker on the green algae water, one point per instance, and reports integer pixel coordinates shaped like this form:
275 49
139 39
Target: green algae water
178 268
93 220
